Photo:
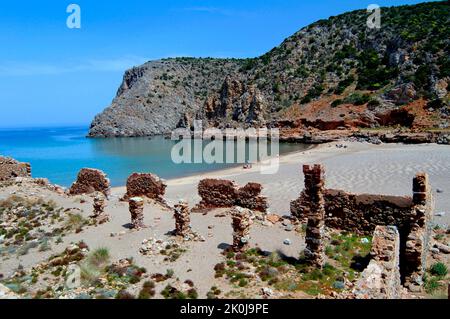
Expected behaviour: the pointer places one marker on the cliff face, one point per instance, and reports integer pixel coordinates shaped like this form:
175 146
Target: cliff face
334 73
156 96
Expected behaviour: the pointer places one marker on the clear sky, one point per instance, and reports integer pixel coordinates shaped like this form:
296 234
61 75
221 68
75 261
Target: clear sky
53 75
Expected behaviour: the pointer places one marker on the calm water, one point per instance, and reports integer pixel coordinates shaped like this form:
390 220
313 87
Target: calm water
59 153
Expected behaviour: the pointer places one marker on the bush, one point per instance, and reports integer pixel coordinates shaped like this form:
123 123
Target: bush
336 103
358 99
123 294
439 269
99 257
147 291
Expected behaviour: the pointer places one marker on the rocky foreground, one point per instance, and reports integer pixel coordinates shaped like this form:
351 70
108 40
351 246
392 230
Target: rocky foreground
334 78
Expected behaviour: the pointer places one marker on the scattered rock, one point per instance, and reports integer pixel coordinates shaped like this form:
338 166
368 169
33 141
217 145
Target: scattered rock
442 248
287 242
267 292
273 218
289 228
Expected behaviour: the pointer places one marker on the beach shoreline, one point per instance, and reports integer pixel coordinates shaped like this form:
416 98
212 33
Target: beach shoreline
356 167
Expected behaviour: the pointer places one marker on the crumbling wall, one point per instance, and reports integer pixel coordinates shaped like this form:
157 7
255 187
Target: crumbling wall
315 211
381 279
359 213
145 185
10 168
216 193
417 241
250 197
362 214
90 181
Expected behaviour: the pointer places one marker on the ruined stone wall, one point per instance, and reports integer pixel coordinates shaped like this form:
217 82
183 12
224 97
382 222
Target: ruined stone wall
10 168
362 214
90 181
217 193
145 185
381 279
359 213
417 241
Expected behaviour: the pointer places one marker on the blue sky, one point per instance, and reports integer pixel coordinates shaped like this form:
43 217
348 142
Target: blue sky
53 75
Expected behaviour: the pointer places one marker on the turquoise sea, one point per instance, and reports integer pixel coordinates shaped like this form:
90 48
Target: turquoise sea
59 153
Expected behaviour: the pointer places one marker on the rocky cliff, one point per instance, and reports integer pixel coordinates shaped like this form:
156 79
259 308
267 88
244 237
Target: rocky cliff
334 74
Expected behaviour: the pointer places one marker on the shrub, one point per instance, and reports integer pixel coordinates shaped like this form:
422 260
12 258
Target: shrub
357 99
75 221
123 294
192 294
439 269
147 291
336 103
170 273
99 257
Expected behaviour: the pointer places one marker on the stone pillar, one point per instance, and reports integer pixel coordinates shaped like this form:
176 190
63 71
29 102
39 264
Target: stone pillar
420 189
314 189
417 240
99 205
99 209
137 212
241 228
182 219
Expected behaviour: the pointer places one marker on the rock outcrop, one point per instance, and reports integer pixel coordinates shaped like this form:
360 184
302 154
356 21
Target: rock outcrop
236 102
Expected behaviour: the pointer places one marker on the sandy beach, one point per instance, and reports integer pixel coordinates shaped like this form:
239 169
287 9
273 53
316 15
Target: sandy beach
357 167
360 168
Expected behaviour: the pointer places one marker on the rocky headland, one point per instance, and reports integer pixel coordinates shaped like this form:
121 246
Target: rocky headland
334 79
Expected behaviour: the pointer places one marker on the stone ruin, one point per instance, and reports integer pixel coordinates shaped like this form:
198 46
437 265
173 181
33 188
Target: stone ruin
145 186
90 181
216 193
381 279
10 169
136 207
99 216
241 222
182 219
315 212
183 229
362 214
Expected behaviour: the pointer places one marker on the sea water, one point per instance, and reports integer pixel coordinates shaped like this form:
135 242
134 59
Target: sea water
58 154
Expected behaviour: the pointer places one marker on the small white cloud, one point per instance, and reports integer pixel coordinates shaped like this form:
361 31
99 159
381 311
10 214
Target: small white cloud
15 68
